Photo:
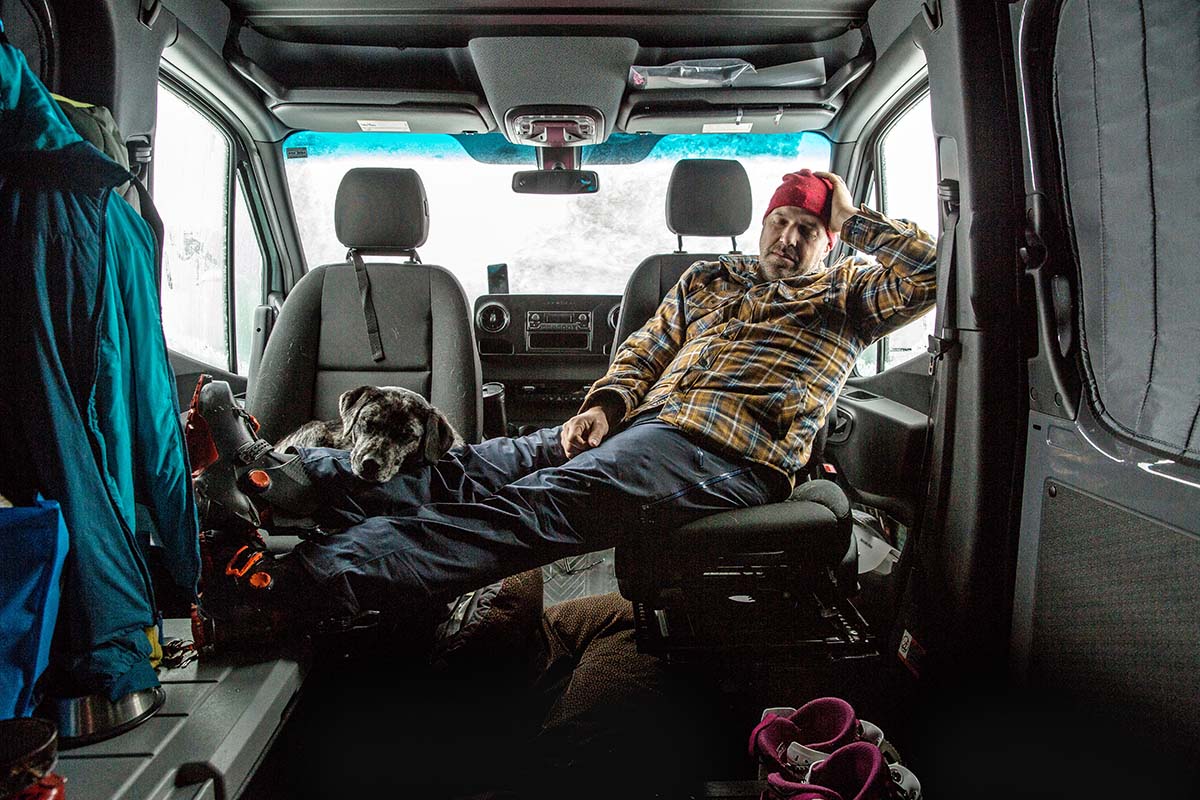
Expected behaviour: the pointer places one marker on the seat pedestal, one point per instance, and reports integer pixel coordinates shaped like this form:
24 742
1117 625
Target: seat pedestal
699 624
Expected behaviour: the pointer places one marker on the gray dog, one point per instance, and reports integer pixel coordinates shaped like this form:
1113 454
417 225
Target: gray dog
385 428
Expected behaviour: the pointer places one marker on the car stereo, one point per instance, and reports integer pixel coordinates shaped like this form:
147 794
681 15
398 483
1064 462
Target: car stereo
545 324
558 330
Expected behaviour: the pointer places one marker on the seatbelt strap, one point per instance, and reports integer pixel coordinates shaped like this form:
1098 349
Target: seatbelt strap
368 307
937 457
945 336
942 383
149 213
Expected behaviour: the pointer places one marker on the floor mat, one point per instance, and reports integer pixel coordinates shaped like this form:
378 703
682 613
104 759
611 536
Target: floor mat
578 576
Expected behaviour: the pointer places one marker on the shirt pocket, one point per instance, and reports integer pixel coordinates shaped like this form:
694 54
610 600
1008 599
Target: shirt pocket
705 311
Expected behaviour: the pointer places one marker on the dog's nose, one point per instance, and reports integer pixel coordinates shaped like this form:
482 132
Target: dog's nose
370 468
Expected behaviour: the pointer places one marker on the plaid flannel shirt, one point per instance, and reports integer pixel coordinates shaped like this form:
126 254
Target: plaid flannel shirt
751 366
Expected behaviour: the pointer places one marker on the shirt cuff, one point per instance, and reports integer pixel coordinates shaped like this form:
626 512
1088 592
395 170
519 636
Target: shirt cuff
600 393
862 230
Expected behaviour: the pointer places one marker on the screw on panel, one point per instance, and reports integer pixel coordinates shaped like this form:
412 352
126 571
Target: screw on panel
1053 490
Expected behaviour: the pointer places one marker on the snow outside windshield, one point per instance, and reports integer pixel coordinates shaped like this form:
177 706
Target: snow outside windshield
553 244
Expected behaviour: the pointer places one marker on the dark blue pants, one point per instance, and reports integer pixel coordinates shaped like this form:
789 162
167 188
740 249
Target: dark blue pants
491 510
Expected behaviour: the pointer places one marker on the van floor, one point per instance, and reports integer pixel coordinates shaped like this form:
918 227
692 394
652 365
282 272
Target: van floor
594 718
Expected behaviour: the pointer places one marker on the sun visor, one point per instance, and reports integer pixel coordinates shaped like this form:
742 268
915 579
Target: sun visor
545 71
344 118
731 120
731 99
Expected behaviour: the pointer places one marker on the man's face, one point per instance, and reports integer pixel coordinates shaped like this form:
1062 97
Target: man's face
793 242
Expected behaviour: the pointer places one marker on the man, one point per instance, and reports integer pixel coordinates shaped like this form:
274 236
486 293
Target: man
712 405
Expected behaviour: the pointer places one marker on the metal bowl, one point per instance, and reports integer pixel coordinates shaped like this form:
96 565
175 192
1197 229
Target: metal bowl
94 718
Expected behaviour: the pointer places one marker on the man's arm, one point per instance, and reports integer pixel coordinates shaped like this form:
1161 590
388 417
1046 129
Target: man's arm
639 362
902 286
641 358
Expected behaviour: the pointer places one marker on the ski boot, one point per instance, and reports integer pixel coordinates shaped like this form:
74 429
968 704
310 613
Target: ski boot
253 602
250 601
240 478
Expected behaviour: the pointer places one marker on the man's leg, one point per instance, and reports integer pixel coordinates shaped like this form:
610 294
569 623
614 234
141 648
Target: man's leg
646 478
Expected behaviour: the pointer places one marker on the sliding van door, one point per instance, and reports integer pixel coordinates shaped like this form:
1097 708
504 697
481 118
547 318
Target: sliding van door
1107 601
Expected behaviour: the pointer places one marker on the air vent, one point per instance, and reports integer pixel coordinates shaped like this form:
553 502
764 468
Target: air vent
614 314
492 317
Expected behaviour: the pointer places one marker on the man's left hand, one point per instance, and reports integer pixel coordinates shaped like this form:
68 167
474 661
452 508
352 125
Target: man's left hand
842 207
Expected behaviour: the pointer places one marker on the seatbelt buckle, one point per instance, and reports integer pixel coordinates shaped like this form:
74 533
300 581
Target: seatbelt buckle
937 348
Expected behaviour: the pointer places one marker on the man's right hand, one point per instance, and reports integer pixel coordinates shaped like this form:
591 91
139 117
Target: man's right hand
584 431
841 205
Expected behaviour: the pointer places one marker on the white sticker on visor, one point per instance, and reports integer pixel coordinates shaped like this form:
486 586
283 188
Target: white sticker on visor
728 127
384 125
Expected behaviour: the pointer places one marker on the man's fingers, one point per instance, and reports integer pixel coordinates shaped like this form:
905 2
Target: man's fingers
573 433
842 207
569 435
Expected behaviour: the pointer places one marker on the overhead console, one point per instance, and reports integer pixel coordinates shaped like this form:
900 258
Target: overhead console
374 106
525 77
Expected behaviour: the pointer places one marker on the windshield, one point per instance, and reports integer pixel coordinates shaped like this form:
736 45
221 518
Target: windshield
553 244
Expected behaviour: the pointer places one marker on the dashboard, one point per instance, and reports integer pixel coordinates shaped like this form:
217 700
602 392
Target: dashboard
546 350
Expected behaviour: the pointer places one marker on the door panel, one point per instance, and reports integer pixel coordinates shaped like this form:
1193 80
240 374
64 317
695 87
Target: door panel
1108 580
877 439
1107 590
188 371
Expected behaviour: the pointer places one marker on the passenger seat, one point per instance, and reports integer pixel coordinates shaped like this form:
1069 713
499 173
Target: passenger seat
706 197
320 346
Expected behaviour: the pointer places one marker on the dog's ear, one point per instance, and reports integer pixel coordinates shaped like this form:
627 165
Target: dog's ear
349 400
439 436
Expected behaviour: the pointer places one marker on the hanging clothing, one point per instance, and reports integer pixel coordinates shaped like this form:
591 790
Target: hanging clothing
88 414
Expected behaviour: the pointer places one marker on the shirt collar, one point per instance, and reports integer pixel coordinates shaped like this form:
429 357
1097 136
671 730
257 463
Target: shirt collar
746 270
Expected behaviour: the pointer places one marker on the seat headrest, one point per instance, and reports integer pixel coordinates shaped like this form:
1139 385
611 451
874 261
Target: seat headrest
708 197
381 209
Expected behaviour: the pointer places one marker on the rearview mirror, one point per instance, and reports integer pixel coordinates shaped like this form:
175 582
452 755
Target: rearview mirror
556 181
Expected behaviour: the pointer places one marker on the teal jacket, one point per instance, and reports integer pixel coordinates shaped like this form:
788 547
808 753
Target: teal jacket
86 391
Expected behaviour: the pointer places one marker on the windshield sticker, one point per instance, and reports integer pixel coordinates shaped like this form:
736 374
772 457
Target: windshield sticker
296 152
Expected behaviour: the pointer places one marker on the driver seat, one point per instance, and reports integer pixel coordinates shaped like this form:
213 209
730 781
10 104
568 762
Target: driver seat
747 581
321 346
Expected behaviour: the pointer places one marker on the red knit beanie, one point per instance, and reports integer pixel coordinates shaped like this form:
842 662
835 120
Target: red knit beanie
804 190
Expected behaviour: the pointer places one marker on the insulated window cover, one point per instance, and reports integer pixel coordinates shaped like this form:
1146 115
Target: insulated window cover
1127 102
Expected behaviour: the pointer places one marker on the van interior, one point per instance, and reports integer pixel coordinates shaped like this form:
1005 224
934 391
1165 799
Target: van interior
1009 584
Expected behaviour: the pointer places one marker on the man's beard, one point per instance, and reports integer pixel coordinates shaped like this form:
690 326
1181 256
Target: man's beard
788 263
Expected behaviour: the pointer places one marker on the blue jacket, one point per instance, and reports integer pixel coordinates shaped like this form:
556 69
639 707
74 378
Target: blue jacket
92 418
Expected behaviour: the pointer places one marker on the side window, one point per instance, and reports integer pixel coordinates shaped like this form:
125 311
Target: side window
212 261
248 272
906 180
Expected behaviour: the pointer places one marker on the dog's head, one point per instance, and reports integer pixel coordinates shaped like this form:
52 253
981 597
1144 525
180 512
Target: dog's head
389 428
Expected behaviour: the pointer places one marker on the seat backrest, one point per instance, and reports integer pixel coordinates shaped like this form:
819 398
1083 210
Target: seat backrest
319 346
706 197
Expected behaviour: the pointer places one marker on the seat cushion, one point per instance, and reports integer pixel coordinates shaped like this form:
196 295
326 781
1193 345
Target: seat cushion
813 529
